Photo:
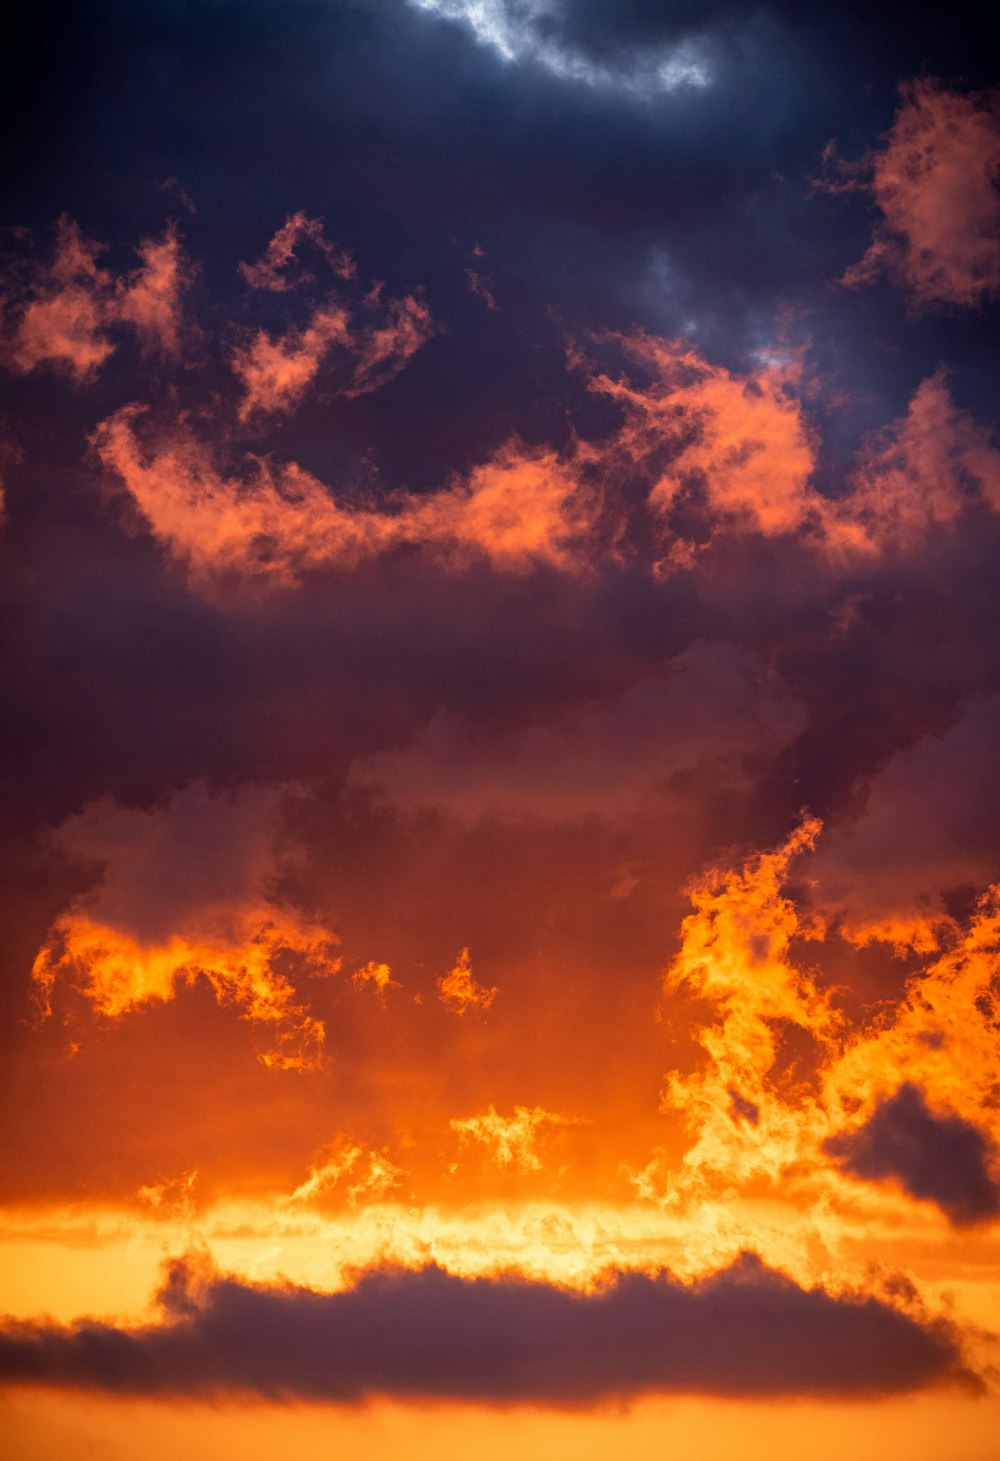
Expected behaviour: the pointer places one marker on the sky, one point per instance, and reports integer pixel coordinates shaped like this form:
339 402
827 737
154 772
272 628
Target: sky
499 904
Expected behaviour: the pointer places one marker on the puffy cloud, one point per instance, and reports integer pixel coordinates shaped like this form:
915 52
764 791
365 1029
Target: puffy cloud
67 313
521 508
185 893
460 992
937 1157
935 181
747 1330
715 718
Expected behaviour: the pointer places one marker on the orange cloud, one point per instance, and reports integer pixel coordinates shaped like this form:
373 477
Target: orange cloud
70 309
150 298
510 1139
280 268
460 992
935 182
185 895
362 1174
276 371
378 974
917 475
523 507
735 953
737 449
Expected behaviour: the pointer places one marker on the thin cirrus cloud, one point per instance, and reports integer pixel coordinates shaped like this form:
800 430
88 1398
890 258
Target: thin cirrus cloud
936 183
68 314
747 1330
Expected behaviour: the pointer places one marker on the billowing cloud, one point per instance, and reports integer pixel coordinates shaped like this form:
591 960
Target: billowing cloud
185 893
747 1330
936 181
521 508
68 314
936 1156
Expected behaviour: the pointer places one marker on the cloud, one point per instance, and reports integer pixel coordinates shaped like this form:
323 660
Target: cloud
936 1156
735 448
926 831
747 1330
275 371
185 893
935 181
460 992
917 476
67 314
524 507
510 1140
715 718
363 1175
537 31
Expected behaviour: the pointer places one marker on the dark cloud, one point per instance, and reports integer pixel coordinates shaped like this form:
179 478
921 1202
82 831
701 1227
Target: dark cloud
938 1157
745 1331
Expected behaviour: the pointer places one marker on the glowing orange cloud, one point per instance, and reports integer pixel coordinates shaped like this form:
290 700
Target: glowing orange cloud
522 507
365 1175
72 308
510 1140
378 974
460 991
935 181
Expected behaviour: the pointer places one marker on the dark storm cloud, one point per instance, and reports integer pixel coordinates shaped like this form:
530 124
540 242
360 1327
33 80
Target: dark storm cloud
746 1331
938 1157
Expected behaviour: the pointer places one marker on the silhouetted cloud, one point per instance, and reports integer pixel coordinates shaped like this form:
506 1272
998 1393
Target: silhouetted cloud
745 1331
936 1156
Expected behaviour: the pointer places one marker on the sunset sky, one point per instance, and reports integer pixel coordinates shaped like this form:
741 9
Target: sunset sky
499 914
